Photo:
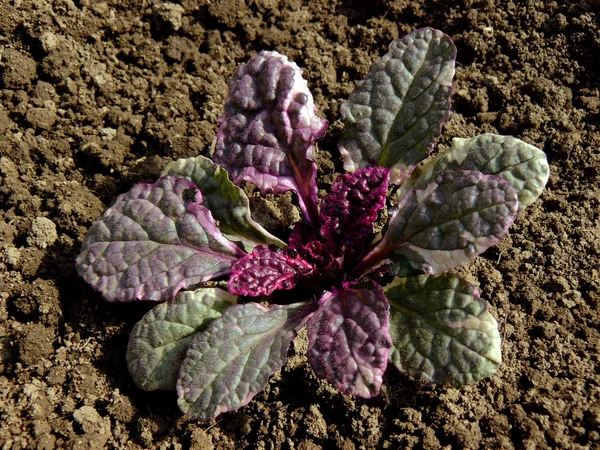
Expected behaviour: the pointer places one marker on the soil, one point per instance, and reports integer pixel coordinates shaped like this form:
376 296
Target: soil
96 96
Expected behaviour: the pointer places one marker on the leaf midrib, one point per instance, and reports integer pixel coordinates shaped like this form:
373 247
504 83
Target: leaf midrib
388 142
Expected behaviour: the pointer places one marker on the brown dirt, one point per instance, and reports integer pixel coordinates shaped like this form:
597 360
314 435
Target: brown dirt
96 96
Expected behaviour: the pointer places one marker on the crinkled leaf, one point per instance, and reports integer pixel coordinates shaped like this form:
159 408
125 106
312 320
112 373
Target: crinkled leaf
458 216
228 203
302 234
155 240
266 270
158 342
524 166
393 117
319 255
348 339
232 360
441 330
267 132
305 240
350 209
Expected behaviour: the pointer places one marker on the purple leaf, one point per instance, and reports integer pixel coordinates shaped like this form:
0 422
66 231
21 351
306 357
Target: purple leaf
265 270
349 340
267 132
349 211
302 234
231 361
305 240
458 216
394 116
155 240
319 254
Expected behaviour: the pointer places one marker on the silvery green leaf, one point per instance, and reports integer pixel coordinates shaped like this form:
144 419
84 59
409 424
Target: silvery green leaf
394 116
524 166
455 218
231 361
228 203
442 330
158 342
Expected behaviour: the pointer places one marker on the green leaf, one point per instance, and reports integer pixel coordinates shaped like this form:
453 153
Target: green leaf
158 342
442 330
524 166
232 360
394 116
228 203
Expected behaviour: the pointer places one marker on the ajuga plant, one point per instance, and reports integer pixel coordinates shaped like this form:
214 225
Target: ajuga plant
371 297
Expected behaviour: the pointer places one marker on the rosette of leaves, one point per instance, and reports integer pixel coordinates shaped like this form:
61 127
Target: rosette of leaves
371 299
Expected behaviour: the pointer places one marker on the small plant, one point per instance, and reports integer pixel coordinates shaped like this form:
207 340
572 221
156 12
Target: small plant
371 298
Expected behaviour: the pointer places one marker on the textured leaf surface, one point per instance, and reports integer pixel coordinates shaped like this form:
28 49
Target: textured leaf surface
326 268
393 118
349 339
351 208
228 203
267 132
266 270
458 216
155 240
524 166
441 330
232 360
158 342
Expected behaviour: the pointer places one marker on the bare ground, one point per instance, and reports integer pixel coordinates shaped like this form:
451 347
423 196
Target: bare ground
96 96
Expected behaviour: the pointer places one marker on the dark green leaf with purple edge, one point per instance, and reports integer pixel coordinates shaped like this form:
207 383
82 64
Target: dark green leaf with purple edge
153 242
158 342
442 330
395 115
458 216
231 361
